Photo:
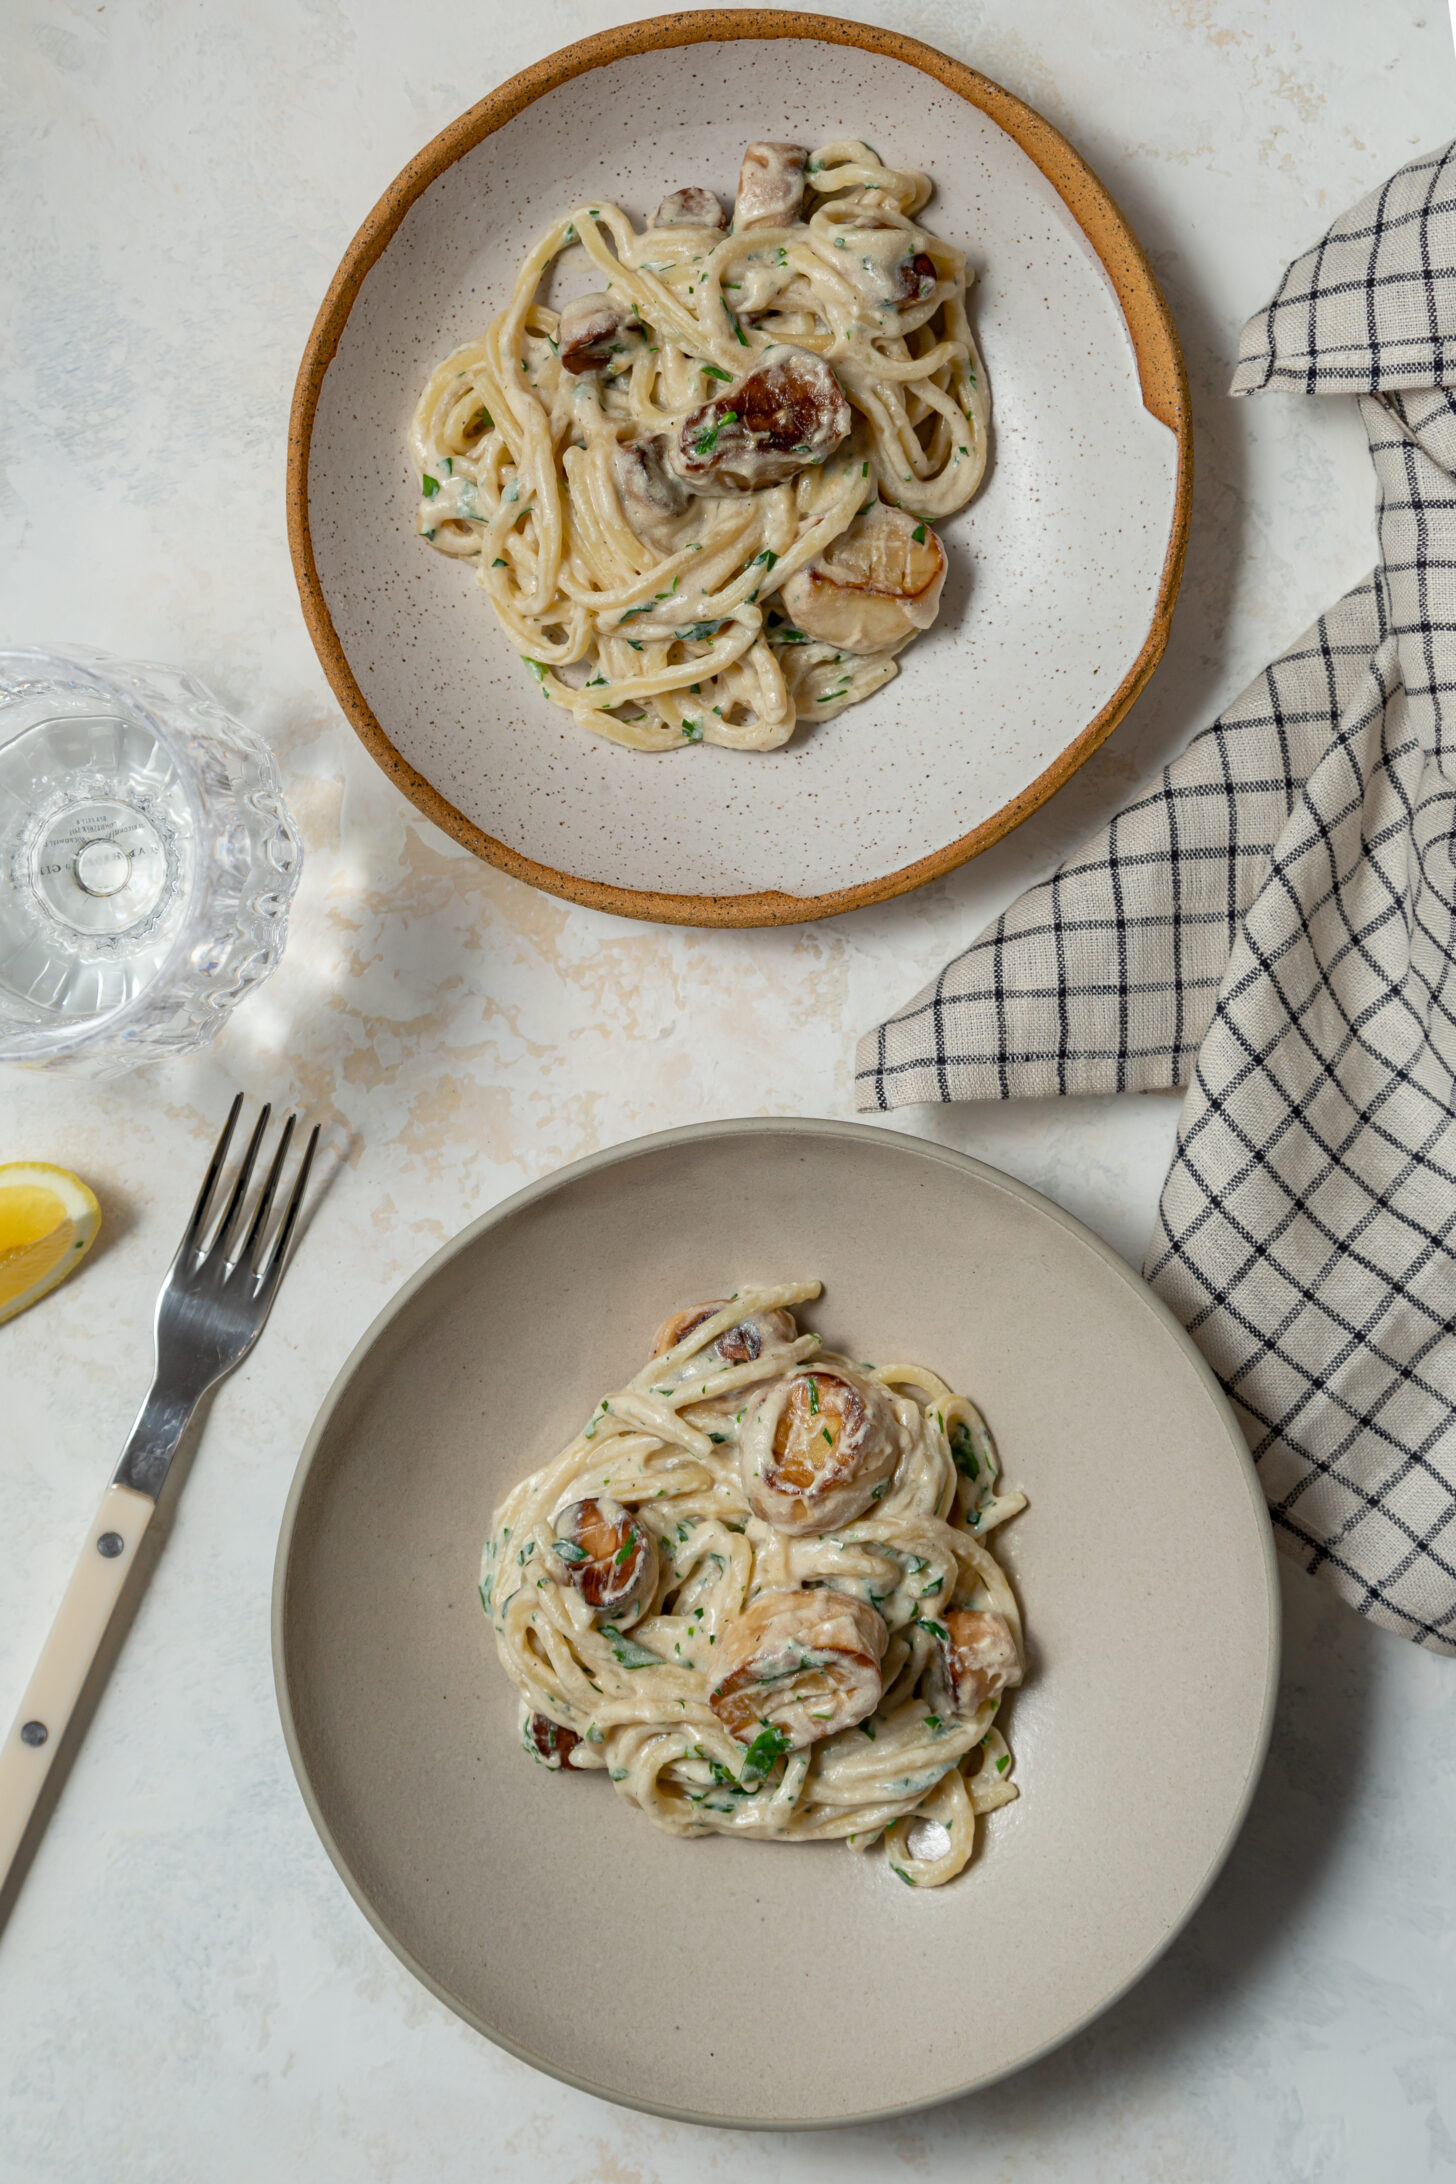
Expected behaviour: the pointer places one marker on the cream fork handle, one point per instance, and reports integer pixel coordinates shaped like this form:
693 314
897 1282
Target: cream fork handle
66 1657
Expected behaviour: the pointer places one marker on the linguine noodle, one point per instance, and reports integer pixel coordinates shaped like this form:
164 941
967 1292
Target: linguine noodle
663 621
645 1705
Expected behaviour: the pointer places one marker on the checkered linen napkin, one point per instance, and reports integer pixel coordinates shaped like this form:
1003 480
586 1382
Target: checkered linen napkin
1274 925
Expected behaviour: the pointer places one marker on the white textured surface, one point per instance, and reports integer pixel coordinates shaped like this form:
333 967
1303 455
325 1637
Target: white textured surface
185 1988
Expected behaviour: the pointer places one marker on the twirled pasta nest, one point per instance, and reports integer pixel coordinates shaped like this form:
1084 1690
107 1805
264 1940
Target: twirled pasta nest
755 1592
701 497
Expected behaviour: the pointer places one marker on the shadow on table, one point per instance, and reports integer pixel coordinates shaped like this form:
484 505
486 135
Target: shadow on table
1327 1690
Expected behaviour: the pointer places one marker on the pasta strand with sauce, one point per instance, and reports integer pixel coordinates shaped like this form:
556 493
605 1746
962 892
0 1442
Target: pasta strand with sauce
701 498
754 1591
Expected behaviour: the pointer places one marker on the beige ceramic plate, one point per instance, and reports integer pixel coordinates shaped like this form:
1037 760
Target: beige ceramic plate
1064 570
752 1983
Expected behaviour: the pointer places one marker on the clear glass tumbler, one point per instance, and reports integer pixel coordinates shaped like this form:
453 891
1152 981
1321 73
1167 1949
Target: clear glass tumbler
147 861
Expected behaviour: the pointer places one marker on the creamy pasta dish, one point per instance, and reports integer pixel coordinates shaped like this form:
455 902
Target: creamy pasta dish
701 496
755 1592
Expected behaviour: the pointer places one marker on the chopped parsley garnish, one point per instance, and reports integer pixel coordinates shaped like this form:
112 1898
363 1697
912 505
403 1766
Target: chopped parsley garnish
829 1437
498 563
693 733
429 486
699 630
767 1747
768 559
813 1394
1003 1763
537 670
963 1454
867 1729
629 1653
918 534
714 372
569 1551
708 438
936 1630
624 1553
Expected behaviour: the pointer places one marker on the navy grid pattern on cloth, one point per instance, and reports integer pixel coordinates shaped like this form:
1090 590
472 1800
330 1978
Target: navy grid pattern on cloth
1274 925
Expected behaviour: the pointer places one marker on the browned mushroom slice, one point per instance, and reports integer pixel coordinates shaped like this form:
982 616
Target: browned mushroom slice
740 1345
652 498
877 586
592 330
818 1447
602 1552
552 1744
689 208
787 413
975 1660
770 186
795 1667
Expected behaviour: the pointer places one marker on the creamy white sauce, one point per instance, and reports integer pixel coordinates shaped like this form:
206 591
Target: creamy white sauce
669 632
641 1701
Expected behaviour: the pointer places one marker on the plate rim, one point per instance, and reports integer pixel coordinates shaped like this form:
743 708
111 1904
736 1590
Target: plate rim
631 1149
1162 376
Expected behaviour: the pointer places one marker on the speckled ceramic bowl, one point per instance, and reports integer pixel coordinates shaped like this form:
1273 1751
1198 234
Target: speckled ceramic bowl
1064 570
761 1983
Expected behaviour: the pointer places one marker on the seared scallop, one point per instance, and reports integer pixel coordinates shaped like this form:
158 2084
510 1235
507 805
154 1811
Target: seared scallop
602 1552
690 208
652 499
770 186
879 259
738 1345
877 586
803 1663
549 1742
818 1447
790 411
976 1659
591 331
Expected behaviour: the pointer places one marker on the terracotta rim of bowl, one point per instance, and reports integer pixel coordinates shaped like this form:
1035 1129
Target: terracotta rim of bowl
1161 373
661 1141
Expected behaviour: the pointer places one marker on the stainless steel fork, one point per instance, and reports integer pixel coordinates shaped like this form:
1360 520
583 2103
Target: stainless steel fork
213 1303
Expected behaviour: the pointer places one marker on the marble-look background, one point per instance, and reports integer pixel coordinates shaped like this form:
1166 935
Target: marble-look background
186 1991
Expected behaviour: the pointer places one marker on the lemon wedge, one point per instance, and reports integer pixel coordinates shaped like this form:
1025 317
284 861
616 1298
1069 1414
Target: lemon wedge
48 1222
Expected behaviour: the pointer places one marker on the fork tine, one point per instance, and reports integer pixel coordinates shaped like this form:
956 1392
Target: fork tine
214 1169
252 1251
279 1253
220 1242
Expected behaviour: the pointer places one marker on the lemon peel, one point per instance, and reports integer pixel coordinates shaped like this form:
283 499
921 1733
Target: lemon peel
48 1222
